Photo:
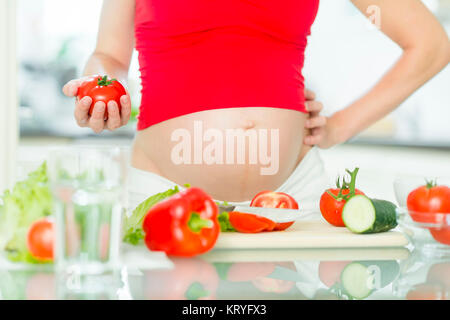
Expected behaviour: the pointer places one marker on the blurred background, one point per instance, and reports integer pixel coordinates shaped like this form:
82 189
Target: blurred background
345 57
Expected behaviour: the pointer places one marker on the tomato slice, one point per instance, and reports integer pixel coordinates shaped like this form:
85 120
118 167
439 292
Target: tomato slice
40 239
271 199
250 223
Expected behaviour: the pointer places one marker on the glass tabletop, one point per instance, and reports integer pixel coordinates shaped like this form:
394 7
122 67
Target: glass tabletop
318 274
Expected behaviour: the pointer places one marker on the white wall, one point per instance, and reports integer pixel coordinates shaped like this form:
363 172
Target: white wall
8 100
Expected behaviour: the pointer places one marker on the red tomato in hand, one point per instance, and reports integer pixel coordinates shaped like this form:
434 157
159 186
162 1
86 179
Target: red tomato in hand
270 199
331 208
424 202
40 239
101 89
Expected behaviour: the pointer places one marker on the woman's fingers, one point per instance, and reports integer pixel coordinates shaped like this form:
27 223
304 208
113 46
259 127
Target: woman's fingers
97 120
315 137
309 95
318 121
81 112
114 121
70 89
125 111
314 107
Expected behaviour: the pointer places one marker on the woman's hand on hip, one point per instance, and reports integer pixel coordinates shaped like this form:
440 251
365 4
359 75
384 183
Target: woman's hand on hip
316 124
96 121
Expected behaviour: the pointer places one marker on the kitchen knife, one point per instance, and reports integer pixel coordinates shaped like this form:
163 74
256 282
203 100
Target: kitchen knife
276 214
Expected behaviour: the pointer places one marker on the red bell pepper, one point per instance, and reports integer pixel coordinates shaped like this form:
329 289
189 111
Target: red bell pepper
183 225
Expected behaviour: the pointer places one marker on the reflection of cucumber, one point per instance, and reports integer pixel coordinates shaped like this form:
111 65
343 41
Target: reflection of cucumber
356 281
364 215
360 279
383 272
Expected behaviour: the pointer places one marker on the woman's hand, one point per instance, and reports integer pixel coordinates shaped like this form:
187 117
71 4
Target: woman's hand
316 124
97 121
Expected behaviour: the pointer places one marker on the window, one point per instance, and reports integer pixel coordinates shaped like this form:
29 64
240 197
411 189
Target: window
344 58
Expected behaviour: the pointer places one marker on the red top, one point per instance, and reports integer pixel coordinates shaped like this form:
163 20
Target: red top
197 55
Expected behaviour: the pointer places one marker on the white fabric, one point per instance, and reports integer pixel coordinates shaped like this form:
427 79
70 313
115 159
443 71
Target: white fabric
305 184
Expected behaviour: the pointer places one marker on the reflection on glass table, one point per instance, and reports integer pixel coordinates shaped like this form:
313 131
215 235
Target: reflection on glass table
423 278
323 274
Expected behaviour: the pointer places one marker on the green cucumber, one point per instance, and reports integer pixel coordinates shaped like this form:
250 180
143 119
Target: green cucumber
364 215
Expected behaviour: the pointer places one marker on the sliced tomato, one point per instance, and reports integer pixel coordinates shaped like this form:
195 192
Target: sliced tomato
250 223
271 199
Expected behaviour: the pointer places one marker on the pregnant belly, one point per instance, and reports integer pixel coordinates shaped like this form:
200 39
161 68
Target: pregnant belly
231 153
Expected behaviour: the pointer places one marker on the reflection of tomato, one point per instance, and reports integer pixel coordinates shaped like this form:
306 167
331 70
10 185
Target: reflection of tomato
425 291
190 279
104 241
248 271
265 284
270 199
101 89
40 238
426 200
439 273
41 286
441 235
330 271
331 208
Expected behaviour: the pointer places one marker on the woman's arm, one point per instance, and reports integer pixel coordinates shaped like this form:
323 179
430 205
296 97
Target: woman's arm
426 51
112 56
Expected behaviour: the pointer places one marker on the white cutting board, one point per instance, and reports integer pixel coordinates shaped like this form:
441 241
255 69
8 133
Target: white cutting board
310 234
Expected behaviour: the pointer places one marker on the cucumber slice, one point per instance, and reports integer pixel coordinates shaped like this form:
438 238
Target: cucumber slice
356 281
364 215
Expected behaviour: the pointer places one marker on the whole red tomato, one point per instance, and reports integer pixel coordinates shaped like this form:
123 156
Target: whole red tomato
271 199
101 89
331 207
40 239
332 201
424 202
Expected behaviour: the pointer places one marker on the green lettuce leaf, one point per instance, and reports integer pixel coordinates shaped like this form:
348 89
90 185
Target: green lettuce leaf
132 225
224 222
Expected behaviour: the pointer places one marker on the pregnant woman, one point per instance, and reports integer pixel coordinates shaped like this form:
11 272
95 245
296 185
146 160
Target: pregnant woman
214 72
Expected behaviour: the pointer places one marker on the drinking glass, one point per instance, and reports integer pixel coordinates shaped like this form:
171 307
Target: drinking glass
88 186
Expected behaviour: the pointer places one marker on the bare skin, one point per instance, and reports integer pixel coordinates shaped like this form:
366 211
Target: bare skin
426 51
